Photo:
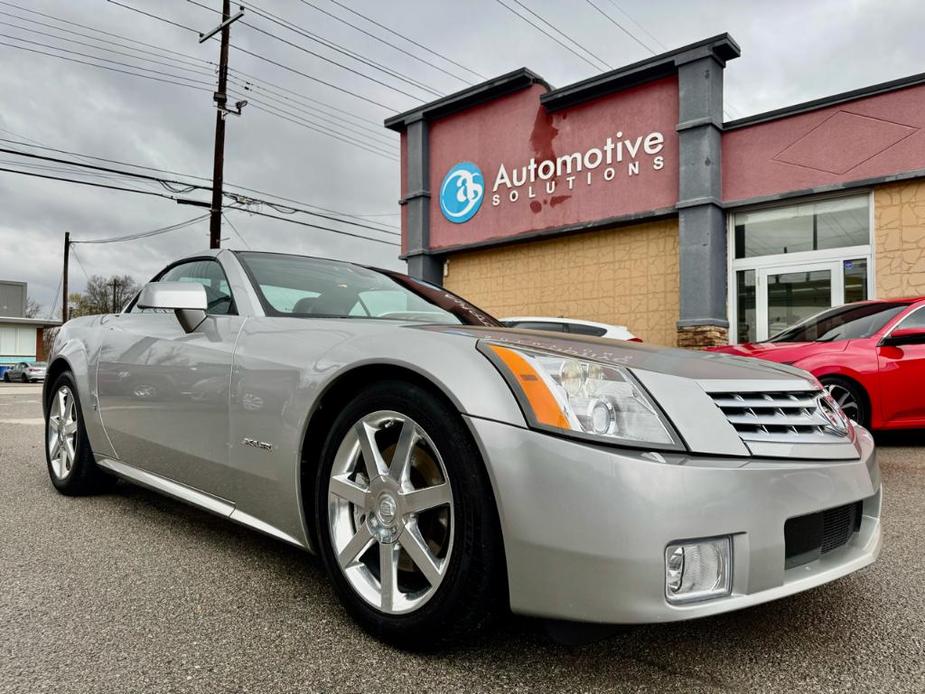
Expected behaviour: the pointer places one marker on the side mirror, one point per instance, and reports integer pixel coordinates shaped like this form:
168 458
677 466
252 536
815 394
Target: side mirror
905 336
186 299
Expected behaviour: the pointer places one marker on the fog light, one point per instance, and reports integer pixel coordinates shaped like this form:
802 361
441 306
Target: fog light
698 570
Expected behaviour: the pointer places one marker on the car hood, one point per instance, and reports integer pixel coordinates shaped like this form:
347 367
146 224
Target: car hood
781 352
703 367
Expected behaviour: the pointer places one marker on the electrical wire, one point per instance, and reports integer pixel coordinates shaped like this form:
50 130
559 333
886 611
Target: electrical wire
93 184
386 43
247 246
638 24
268 60
197 70
100 31
80 263
332 45
103 67
319 56
620 26
146 234
313 226
546 33
409 40
301 203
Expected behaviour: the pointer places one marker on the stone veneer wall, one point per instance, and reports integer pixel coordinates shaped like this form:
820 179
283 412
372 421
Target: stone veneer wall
899 239
624 276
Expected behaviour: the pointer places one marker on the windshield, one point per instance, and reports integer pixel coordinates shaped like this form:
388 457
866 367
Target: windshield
849 322
303 287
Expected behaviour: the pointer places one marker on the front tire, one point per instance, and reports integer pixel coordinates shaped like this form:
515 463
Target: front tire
70 461
407 526
850 397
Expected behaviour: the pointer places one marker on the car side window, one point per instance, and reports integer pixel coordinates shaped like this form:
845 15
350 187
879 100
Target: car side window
916 319
579 329
210 275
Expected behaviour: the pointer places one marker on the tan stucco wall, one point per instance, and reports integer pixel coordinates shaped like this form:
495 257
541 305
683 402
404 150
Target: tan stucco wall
626 276
899 238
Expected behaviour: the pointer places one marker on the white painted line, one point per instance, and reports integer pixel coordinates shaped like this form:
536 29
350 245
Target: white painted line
31 420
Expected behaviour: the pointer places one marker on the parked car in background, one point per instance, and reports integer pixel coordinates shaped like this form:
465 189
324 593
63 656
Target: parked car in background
26 372
869 355
571 326
447 468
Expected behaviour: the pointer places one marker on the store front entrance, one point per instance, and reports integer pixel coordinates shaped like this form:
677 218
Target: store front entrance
789 265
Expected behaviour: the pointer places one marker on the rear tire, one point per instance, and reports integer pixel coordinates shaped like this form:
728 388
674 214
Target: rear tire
6 378
451 584
71 465
850 397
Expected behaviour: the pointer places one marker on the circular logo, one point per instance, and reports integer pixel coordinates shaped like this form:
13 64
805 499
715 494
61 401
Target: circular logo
461 192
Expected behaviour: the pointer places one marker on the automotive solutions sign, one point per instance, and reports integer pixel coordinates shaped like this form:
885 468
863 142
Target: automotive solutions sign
509 167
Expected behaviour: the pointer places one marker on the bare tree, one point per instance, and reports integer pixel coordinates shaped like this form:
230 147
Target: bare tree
102 295
33 308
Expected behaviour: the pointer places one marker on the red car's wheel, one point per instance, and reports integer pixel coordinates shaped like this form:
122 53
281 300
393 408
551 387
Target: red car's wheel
850 397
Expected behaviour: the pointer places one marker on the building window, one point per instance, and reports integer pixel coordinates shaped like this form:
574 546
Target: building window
791 262
814 226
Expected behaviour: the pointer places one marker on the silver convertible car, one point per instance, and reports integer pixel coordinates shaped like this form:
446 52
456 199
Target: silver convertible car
448 469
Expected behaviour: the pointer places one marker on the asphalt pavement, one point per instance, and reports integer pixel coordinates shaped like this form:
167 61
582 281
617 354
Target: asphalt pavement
133 592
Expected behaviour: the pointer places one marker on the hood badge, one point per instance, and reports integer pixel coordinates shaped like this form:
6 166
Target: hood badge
254 443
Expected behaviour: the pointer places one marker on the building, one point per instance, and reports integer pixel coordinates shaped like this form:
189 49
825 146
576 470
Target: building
626 198
21 338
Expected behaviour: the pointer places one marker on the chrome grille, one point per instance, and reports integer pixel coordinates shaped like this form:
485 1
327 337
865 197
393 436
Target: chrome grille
781 417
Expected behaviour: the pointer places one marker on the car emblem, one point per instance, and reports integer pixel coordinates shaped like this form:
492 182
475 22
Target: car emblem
254 443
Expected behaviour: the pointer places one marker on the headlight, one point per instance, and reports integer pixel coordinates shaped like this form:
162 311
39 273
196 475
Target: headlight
582 397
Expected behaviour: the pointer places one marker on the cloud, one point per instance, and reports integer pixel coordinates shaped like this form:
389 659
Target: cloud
792 51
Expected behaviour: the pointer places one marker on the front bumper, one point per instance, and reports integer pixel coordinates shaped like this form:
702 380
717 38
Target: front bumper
585 527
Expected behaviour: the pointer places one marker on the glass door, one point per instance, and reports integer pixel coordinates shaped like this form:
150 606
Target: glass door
788 294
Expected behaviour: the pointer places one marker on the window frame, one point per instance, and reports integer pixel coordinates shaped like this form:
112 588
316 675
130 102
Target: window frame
785 260
233 309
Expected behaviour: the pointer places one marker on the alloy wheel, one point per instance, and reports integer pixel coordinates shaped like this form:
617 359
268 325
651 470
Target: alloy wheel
61 437
390 512
845 400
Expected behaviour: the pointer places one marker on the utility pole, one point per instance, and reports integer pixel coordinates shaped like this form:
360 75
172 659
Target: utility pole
221 104
67 252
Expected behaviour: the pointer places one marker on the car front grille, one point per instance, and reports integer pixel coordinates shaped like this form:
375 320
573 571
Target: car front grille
784 417
806 538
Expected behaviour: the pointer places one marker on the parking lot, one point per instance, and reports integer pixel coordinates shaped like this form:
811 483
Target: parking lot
132 592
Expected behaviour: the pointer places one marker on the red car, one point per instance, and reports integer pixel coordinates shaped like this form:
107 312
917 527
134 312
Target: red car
869 355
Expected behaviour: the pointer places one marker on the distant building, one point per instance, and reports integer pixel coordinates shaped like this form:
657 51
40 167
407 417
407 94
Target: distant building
21 338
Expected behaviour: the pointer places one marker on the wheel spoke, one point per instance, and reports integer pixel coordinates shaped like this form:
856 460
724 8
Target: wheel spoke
70 427
54 445
347 490
62 402
388 575
429 497
358 544
417 550
372 457
401 458
69 451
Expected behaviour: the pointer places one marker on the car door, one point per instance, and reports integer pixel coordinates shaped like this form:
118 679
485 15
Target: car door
163 392
901 373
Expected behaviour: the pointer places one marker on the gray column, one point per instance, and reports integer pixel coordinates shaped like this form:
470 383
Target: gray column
421 264
701 221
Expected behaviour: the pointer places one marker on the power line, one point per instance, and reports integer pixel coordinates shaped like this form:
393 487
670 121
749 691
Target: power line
268 60
313 226
146 234
39 145
638 24
189 80
320 56
546 33
620 26
409 40
103 67
235 230
387 43
93 184
284 209
100 31
334 46
198 70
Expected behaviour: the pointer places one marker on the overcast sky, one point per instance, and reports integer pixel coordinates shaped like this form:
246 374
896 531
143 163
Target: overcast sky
791 52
